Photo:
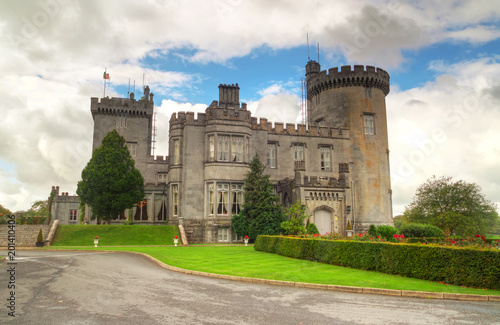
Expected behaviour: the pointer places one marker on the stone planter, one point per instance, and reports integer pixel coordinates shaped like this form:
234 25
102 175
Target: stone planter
96 241
246 241
39 244
349 233
176 241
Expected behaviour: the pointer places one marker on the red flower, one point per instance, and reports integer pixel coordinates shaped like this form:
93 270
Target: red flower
423 243
478 236
176 237
246 237
394 235
453 242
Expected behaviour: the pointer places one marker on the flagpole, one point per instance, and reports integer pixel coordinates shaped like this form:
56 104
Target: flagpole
104 94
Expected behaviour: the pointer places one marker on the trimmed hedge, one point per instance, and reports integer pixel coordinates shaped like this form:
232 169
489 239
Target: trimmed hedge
459 266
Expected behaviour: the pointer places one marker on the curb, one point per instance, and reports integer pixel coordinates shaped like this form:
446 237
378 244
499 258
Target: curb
340 288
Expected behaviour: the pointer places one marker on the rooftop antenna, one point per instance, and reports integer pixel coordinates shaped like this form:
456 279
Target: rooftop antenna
128 93
318 52
308 58
134 87
143 75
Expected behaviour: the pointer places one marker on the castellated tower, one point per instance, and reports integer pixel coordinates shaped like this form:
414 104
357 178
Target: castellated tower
355 99
132 119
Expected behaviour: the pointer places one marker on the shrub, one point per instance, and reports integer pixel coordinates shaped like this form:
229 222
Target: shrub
418 230
387 231
39 238
295 225
312 229
373 231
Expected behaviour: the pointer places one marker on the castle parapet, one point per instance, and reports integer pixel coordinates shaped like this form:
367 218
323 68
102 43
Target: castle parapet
158 160
188 118
348 77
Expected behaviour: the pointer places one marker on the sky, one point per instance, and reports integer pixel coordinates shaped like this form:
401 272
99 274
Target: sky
443 58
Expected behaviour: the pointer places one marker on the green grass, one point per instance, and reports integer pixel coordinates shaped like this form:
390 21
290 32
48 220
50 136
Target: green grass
492 236
246 262
114 235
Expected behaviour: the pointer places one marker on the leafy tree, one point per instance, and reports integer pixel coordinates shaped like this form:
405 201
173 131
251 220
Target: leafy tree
261 213
4 212
110 182
295 224
457 206
372 231
399 221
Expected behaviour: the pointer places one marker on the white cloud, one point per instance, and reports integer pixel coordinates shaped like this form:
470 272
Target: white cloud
447 127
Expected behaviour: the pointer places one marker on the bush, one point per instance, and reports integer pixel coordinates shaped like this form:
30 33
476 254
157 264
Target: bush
312 229
387 231
418 230
39 238
455 265
373 231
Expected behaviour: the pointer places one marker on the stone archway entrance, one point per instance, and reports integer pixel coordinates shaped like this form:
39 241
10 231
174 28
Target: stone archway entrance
323 220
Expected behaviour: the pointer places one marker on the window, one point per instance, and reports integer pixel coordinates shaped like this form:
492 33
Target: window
325 158
175 199
211 199
237 196
223 198
318 99
298 152
132 148
211 146
271 155
369 123
177 156
72 215
223 234
121 121
160 207
223 147
236 148
235 236
162 178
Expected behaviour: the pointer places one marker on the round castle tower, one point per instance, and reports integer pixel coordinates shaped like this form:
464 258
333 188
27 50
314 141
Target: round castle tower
355 99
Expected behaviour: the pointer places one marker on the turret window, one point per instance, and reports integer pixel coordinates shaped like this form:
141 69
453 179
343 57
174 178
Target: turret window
369 123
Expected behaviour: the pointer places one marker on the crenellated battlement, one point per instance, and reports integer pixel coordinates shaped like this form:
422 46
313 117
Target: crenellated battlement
121 106
158 160
347 77
298 129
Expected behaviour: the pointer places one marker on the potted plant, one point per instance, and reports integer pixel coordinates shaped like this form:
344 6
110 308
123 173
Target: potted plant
176 240
349 229
246 239
39 239
96 241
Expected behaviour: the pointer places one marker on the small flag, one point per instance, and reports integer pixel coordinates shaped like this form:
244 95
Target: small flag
105 75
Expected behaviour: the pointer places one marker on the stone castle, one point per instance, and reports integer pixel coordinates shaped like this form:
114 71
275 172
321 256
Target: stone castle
337 165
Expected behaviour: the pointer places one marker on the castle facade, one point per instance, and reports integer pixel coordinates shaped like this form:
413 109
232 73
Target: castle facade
337 165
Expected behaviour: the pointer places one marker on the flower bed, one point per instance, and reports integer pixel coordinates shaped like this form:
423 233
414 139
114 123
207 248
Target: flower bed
472 266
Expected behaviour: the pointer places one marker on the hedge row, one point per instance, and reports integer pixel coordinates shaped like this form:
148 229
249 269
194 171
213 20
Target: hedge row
454 265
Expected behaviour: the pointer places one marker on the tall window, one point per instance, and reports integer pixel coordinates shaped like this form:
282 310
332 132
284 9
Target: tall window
175 199
211 199
325 158
177 151
236 148
132 148
369 124
72 215
237 196
211 148
298 151
223 147
271 155
223 198
121 121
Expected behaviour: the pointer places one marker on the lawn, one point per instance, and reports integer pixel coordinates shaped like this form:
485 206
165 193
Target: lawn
114 235
246 262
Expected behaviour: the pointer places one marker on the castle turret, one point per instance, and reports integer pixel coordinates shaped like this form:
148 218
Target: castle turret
355 99
229 96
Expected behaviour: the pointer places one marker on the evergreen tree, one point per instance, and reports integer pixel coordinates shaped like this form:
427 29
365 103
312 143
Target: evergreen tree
261 213
110 182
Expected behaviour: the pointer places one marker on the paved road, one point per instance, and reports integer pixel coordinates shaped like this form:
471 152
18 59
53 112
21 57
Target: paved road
119 288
